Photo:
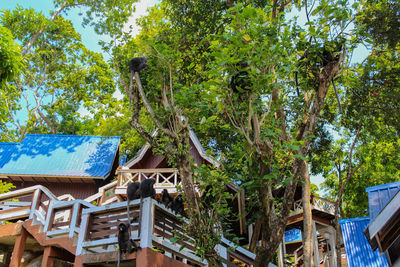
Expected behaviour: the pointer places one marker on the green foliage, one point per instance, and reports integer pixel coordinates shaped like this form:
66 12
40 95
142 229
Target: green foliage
5 187
378 22
10 57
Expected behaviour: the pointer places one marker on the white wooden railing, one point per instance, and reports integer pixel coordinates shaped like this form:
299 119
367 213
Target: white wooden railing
317 203
166 178
158 226
95 227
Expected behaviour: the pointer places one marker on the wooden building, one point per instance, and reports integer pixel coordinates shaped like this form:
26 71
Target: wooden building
384 230
65 164
49 228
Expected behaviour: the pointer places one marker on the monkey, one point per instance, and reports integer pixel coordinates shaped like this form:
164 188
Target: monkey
166 198
132 192
322 59
135 65
177 205
146 190
125 243
207 197
240 82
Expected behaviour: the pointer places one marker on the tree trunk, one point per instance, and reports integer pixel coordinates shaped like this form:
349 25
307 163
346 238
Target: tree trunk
307 222
337 236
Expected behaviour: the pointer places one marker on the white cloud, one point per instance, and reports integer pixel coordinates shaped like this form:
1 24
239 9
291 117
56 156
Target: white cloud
141 10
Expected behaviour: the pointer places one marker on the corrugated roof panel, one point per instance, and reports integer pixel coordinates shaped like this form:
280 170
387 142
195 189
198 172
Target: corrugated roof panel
379 196
60 155
358 250
293 235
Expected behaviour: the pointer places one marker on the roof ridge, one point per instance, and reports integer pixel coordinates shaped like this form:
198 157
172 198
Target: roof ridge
75 135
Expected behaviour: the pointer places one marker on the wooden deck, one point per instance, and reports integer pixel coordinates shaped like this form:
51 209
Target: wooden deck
86 230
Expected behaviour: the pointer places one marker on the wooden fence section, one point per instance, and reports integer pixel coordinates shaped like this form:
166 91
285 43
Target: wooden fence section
96 227
105 195
64 218
99 226
166 178
317 203
157 228
32 202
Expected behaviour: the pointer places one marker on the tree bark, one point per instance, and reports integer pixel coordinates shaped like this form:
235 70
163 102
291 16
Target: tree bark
307 222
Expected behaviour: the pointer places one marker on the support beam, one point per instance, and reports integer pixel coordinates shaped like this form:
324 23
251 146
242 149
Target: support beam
7 258
332 243
19 248
316 250
48 260
52 253
280 256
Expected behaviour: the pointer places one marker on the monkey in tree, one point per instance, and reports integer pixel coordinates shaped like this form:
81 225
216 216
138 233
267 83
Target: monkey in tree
135 65
240 82
316 58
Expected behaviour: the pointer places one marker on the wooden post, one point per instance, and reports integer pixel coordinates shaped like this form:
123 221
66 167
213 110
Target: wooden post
74 219
316 250
280 255
35 203
47 260
146 225
332 244
19 248
78 262
83 234
50 217
223 253
7 258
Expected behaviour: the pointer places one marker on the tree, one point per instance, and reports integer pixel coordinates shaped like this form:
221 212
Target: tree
193 58
11 65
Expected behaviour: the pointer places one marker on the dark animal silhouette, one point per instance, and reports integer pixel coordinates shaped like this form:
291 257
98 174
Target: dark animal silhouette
146 190
240 82
125 243
132 193
177 205
208 197
166 198
135 65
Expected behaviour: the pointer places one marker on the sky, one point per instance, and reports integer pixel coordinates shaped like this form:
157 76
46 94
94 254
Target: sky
90 38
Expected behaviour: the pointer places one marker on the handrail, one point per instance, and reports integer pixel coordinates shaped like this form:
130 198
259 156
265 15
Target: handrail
26 191
164 178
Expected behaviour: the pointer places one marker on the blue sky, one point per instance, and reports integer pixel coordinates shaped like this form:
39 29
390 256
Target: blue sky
89 37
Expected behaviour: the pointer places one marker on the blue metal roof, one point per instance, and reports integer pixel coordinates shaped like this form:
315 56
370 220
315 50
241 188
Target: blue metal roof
293 235
358 250
59 155
379 196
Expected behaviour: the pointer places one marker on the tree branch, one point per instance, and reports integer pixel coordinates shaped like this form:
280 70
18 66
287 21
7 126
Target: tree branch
36 36
150 109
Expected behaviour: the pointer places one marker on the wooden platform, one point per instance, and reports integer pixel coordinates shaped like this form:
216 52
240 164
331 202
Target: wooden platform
84 232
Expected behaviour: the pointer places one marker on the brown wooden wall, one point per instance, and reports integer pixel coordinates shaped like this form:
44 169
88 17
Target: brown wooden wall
77 190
